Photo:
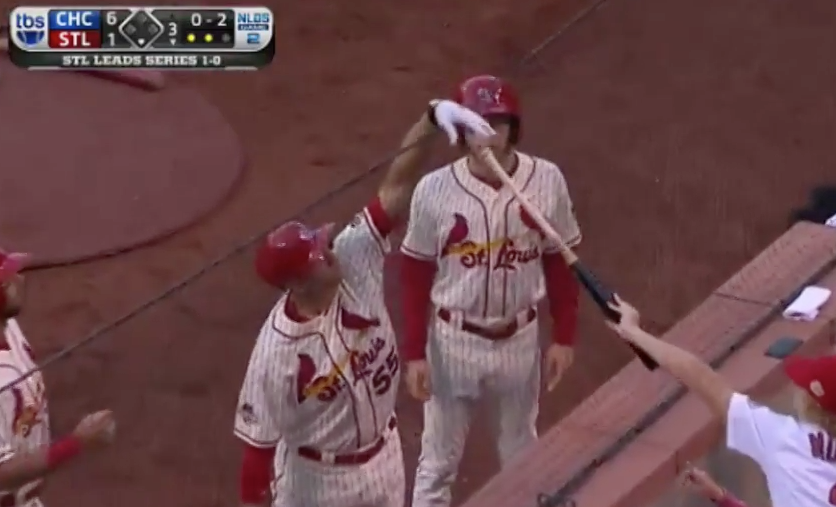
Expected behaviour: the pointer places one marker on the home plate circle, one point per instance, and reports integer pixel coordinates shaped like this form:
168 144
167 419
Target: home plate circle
93 167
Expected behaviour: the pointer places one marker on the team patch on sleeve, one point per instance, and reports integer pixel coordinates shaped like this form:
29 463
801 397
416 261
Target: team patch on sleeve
247 414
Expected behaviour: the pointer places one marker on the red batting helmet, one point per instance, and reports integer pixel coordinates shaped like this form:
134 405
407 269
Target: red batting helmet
10 265
491 96
291 252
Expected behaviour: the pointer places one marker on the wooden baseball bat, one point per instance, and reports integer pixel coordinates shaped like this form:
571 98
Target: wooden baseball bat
600 293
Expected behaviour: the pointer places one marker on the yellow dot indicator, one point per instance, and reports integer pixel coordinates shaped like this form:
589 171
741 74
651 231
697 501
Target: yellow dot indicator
208 37
190 37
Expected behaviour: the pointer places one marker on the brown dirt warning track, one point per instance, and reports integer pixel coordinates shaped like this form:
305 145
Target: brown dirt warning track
687 131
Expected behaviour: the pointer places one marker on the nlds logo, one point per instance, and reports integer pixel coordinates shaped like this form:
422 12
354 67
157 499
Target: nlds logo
254 25
252 21
29 30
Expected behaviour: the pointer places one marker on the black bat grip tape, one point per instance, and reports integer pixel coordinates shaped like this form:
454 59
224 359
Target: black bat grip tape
602 297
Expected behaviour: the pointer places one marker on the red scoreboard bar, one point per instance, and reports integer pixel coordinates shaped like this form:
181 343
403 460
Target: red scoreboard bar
75 29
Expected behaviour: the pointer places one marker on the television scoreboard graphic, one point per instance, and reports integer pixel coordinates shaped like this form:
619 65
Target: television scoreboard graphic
231 38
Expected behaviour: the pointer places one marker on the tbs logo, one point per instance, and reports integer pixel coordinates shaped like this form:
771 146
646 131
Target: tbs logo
29 29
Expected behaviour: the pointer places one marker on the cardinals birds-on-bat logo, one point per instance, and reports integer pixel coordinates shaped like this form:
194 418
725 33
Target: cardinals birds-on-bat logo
326 387
457 235
509 254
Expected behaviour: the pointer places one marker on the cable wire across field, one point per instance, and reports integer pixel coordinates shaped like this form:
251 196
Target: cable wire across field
104 330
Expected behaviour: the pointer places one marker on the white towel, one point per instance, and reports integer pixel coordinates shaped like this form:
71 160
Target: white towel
807 305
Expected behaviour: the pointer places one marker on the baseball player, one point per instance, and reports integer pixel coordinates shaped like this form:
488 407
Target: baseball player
26 455
797 454
323 376
477 265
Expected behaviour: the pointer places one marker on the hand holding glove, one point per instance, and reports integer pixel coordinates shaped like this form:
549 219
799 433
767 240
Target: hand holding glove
450 117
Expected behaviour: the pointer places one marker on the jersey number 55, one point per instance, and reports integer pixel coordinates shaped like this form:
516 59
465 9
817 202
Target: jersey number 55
383 375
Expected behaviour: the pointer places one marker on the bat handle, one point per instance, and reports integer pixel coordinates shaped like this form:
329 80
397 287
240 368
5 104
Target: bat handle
603 297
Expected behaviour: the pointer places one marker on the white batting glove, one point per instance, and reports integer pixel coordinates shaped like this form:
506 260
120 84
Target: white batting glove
448 115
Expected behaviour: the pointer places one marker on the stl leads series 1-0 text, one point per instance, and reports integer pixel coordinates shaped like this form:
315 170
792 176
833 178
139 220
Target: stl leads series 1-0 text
123 61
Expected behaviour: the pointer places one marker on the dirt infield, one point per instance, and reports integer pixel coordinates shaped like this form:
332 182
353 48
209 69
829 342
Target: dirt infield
119 171
678 165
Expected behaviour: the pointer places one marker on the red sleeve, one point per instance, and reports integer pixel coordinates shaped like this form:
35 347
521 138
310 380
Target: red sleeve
62 451
256 468
379 218
729 500
563 293
416 285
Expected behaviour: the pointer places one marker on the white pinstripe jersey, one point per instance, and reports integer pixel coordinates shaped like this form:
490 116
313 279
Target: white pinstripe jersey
25 418
487 248
329 383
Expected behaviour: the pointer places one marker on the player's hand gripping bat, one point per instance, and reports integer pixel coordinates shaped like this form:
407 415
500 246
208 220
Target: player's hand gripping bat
599 292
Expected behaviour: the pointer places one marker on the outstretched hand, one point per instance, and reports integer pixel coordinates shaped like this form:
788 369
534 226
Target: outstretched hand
629 317
698 481
96 430
451 117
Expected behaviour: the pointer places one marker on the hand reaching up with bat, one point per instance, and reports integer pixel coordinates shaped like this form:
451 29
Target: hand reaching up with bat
628 321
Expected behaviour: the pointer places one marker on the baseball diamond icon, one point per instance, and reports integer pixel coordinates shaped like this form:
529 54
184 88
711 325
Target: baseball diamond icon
30 37
141 29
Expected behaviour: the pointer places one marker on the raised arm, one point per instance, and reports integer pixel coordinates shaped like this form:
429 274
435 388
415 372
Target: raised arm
697 376
407 168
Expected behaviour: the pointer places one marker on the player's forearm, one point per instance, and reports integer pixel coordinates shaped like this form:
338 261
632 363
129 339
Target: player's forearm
416 279
689 369
27 467
255 475
407 168
563 294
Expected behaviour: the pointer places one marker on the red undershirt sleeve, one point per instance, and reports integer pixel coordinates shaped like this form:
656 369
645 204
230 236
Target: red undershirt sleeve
416 285
379 218
730 500
256 468
563 293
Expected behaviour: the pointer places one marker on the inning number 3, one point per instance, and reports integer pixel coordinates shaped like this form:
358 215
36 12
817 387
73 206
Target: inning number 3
833 495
